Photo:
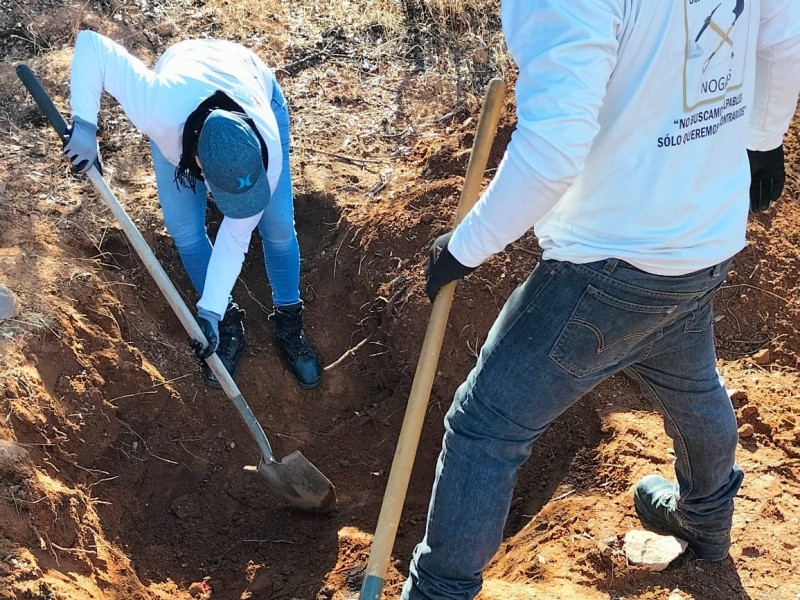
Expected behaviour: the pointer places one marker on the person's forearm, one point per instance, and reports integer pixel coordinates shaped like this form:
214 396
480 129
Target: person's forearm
512 203
559 93
230 247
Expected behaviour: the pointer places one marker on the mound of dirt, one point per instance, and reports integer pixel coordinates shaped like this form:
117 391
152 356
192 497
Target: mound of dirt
121 473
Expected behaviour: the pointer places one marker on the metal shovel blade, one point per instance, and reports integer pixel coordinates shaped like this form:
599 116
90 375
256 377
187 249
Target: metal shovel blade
298 482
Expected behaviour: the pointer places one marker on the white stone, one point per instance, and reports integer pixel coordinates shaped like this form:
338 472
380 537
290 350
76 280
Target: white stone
9 307
652 550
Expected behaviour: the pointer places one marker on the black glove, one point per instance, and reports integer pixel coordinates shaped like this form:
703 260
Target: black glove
209 325
442 267
767 176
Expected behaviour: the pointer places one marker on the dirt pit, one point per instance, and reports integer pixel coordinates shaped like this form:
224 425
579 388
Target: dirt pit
121 473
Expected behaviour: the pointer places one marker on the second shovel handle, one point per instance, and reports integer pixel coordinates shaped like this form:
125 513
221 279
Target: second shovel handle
407 443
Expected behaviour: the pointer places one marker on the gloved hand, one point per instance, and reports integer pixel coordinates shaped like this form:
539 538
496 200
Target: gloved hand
209 324
81 146
442 267
767 176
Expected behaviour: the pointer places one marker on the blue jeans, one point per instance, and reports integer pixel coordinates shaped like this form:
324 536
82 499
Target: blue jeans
562 332
185 219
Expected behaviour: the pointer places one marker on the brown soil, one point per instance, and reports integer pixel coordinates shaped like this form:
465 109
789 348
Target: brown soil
121 473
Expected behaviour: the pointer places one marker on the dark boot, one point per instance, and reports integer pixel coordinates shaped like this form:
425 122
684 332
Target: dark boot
657 504
290 338
232 343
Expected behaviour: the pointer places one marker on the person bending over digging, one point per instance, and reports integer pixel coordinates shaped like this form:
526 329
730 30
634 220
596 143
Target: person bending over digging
630 160
217 122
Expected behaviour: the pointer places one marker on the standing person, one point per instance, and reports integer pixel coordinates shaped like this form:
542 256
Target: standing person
217 122
630 160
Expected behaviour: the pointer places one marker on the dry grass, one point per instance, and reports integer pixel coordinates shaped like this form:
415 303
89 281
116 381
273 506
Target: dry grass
306 19
445 16
459 40
457 16
13 329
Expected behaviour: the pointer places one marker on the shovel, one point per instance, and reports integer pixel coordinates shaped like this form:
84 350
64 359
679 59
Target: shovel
294 478
408 441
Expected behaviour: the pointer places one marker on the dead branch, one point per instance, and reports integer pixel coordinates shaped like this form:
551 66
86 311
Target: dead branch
336 256
144 443
151 390
343 157
74 550
755 287
348 353
249 293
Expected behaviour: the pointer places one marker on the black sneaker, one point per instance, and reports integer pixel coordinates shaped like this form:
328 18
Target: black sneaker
656 503
232 343
291 340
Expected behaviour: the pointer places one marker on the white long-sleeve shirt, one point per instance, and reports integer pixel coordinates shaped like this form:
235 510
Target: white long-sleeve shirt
633 119
158 101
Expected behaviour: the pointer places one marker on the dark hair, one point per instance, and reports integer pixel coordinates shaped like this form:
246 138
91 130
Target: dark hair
187 172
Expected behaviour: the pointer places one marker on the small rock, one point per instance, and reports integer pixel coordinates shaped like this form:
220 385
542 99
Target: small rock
746 431
737 395
652 550
9 306
762 357
750 412
751 552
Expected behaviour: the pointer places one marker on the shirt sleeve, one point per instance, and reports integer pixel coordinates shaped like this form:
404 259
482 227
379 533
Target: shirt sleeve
777 74
100 64
565 52
230 247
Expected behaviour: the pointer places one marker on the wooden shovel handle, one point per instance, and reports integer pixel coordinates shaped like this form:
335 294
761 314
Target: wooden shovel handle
407 444
151 263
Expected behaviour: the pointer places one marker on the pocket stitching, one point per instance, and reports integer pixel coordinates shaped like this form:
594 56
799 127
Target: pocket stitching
629 306
601 341
578 370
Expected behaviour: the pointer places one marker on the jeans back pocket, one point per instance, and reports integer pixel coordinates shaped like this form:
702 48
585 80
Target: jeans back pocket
603 330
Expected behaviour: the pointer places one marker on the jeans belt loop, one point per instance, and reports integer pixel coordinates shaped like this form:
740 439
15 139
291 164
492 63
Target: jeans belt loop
610 265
